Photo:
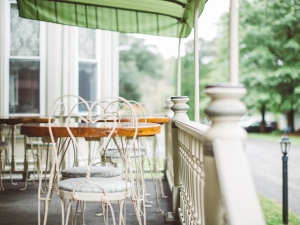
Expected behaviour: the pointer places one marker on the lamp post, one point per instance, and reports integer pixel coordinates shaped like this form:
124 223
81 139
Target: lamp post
285 146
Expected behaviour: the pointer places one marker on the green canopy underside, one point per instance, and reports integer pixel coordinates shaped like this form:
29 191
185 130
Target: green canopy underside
155 17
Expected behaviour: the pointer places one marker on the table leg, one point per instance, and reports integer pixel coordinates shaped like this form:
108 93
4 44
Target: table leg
1 131
25 164
13 142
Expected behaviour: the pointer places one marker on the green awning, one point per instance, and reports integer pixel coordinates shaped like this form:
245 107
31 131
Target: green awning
154 17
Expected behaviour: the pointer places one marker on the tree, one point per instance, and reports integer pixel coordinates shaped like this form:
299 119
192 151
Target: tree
144 74
137 61
269 53
207 53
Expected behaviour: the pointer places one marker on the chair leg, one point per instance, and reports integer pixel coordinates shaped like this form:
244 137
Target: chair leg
26 165
3 161
2 170
7 162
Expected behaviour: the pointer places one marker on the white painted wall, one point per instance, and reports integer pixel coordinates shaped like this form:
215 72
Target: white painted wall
60 64
59 54
2 20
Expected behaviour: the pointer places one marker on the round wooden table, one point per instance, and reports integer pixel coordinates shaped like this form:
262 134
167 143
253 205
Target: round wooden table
88 130
12 121
160 120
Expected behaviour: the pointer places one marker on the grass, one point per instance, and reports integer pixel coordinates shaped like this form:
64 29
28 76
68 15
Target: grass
273 212
275 137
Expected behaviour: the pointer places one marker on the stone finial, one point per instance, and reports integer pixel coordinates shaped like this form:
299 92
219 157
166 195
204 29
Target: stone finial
169 113
225 110
180 108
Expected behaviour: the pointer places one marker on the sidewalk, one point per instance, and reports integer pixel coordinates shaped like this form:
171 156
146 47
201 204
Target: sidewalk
265 161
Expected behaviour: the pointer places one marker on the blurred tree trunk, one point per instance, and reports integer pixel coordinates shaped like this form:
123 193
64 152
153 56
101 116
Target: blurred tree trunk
263 120
290 120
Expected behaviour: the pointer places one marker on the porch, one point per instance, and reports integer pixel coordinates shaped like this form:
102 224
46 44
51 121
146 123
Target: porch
206 168
19 207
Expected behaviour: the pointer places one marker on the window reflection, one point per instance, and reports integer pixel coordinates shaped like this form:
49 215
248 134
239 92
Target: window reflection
24 86
87 82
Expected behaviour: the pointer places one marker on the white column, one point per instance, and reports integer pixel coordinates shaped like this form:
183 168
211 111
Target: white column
2 55
234 43
179 62
196 63
109 64
179 70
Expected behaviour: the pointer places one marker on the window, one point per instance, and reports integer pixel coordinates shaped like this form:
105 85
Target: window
87 65
24 64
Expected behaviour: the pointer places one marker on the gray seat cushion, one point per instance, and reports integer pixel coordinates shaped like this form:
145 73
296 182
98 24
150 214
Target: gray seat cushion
110 185
114 153
96 171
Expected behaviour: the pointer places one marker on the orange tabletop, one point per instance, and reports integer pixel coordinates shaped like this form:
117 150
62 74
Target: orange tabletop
13 120
88 130
160 120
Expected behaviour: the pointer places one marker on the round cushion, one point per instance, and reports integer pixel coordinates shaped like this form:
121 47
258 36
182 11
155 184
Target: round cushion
110 185
96 171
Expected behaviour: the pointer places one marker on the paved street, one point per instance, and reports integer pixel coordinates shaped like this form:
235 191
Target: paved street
265 161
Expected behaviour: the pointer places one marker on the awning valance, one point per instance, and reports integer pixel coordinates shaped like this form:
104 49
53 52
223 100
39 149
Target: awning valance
154 17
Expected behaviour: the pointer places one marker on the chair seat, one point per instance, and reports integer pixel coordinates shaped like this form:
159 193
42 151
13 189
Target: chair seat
110 185
96 171
114 153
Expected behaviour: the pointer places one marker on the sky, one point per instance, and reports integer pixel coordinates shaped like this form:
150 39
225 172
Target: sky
207 29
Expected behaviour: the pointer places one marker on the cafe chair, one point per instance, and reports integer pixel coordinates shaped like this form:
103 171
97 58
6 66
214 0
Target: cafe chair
4 160
36 152
151 148
104 190
80 171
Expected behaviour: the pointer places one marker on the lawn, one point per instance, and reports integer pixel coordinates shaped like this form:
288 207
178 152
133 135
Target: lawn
273 212
275 137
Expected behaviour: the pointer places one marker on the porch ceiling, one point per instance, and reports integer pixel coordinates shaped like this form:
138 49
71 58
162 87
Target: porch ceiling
154 17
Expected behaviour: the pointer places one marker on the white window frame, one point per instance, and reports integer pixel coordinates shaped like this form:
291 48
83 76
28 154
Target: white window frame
7 58
74 80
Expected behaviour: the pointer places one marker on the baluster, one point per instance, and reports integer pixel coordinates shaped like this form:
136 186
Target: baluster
180 109
168 144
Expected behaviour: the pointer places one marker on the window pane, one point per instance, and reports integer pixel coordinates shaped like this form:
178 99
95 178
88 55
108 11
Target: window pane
24 35
24 86
86 43
87 82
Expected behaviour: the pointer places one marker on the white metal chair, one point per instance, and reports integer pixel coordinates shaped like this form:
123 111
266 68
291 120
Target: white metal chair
36 152
149 147
104 188
4 160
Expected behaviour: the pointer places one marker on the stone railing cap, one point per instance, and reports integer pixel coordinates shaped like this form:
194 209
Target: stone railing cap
178 97
225 85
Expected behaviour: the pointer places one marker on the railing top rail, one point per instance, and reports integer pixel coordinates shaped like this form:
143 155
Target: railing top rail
197 130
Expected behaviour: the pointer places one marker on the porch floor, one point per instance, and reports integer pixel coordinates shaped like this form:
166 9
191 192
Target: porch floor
20 207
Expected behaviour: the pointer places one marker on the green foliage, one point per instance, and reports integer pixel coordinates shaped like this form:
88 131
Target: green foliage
207 53
269 53
275 137
137 62
273 212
